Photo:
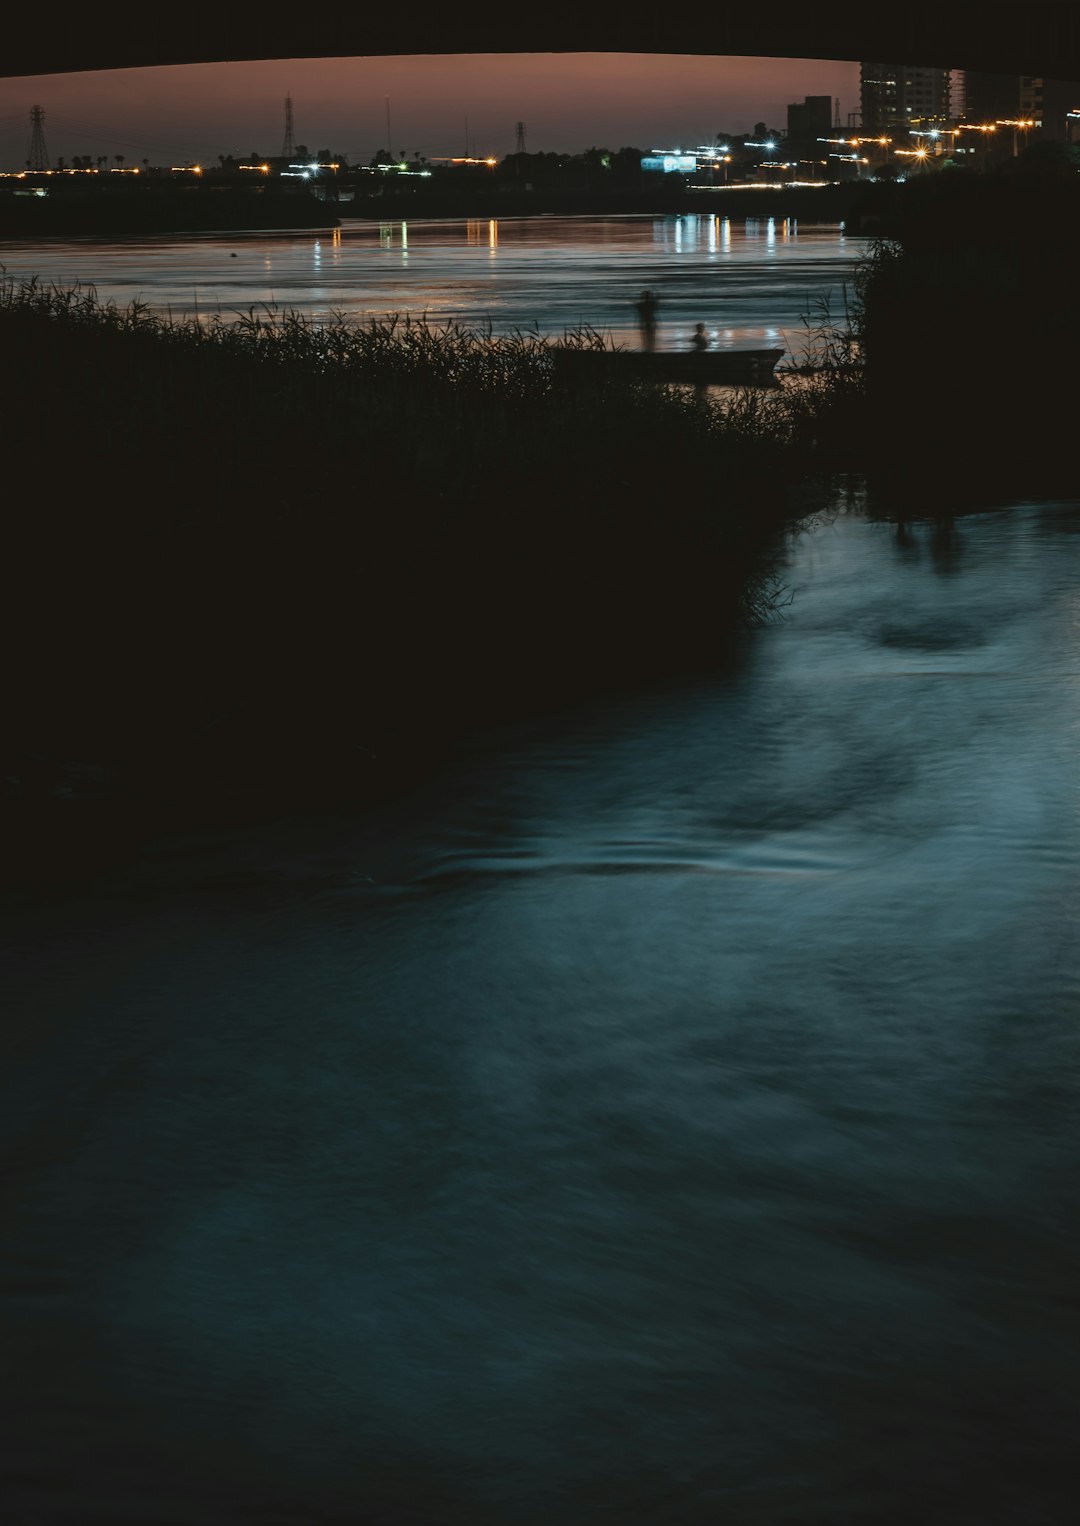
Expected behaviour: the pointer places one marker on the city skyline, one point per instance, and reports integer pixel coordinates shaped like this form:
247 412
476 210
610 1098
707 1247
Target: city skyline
568 101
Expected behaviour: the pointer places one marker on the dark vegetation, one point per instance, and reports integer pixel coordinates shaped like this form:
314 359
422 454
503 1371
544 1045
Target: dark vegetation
147 206
968 322
271 566
157 211
661 194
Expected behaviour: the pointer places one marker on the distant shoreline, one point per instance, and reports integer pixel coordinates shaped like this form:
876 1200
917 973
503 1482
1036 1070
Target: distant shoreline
224 211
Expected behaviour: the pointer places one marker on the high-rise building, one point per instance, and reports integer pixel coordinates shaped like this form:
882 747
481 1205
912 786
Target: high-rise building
898 96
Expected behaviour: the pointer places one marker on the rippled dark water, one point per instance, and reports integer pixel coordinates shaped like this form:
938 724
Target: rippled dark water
668 1115
752 280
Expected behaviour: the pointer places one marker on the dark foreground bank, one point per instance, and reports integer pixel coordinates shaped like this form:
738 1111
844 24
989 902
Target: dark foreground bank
268 564
271 564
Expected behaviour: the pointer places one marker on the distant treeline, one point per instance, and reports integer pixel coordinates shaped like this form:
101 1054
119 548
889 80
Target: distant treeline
155 208
877 208
158 209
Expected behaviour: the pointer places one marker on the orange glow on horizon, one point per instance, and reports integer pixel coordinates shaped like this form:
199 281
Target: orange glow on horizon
178 115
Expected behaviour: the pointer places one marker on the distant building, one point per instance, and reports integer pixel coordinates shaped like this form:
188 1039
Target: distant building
990 97
895 97
1051 102
810 119
1023 97
673 162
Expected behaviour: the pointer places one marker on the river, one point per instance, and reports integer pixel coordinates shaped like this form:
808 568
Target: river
752 281
667 1114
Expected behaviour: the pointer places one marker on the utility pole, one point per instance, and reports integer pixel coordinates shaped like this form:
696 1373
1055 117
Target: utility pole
520 148
288 147
389 134
466 137
39 154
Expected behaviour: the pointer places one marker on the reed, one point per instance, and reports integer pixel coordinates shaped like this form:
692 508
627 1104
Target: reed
255 551
236 524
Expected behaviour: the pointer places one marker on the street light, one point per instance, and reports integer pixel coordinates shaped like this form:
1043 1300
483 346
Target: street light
920 155
983 127
1018 124
933 136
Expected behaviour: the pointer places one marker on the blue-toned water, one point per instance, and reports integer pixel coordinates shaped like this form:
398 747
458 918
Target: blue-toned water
669 1114
753 282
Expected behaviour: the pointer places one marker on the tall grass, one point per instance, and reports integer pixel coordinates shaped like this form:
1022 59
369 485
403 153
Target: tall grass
263 538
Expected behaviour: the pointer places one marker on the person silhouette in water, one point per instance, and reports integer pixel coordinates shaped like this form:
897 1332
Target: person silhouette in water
646 311
699 343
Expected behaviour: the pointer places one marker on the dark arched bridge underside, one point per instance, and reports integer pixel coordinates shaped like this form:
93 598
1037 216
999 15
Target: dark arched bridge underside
1026 37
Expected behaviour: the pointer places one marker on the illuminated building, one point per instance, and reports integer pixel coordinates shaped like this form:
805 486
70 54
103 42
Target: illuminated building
895 96
669 161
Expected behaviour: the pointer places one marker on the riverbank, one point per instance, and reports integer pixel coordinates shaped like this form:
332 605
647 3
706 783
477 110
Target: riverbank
155 211
104 212
812 204
278 565
273 565
886 209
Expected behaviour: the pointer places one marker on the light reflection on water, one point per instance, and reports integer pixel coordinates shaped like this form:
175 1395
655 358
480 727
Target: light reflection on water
669 1115
749 280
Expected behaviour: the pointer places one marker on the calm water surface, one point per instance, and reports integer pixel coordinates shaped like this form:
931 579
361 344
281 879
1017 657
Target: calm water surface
750 281
669 1115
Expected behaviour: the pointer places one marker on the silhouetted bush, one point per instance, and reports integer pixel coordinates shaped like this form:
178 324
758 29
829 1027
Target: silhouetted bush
968 320
251 549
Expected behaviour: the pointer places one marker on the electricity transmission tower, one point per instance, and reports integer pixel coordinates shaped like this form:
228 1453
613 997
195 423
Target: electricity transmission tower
520 138
288 147
39 154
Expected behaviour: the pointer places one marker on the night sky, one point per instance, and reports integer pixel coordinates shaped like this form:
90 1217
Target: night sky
568 102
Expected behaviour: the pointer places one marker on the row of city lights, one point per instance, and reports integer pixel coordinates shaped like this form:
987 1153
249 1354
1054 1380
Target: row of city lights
716 156
22 174
722 154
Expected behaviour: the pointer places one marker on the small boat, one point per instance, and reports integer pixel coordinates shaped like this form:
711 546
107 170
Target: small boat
715 368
